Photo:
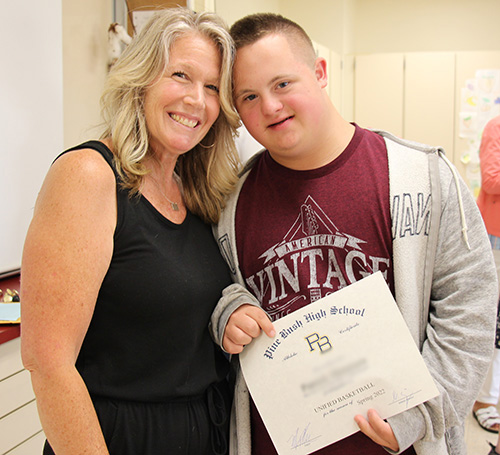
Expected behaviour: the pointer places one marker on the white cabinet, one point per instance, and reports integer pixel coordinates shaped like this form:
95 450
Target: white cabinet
429 104
20 429
416 95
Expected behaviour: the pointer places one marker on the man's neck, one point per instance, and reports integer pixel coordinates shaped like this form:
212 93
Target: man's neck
329 147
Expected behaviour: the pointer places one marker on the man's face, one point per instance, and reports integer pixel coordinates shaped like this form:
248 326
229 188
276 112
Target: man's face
279 97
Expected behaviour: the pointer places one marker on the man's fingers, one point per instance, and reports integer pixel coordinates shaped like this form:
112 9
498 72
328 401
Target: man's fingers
249 325
263 321
239 336
244 325
251 320
364 426
377 429
231 348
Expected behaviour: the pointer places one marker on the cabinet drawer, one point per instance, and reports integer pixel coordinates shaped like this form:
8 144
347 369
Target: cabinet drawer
33 446
10 358
19 426
15 391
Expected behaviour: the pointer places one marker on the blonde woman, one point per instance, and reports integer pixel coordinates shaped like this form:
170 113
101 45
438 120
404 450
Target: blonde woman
120 271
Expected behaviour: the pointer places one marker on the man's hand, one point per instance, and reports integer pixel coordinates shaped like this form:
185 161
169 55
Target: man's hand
378 430
243 326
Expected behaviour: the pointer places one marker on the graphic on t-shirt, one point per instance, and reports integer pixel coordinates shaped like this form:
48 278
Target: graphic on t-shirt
313 259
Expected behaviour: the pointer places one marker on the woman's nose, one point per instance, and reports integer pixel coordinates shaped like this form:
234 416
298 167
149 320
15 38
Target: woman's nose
196 95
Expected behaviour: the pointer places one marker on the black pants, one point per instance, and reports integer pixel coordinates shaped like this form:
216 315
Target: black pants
194 426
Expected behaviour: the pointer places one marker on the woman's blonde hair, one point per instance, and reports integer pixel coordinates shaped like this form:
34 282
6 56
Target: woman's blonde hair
208 171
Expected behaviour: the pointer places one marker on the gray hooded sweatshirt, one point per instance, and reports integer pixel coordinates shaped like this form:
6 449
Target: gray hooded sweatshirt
446 289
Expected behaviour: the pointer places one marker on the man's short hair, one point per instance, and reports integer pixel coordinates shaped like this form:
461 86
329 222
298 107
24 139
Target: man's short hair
253 27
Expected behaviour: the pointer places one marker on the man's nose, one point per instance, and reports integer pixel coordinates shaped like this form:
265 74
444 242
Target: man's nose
271 104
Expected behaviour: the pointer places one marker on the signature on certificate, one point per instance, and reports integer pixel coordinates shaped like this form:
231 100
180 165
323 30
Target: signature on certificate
403 396
301 437
289 356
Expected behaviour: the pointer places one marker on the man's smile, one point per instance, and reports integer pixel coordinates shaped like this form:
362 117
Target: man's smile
280 122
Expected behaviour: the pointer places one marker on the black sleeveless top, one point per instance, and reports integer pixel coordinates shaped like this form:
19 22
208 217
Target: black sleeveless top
148 339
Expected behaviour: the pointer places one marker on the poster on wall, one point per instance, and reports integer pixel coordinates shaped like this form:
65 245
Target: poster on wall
480 102
139 11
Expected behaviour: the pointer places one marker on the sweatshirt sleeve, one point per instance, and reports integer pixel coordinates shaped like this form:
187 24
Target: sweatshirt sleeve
235 295
232 298
459 335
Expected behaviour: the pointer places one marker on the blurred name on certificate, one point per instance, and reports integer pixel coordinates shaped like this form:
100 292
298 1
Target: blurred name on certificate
332 359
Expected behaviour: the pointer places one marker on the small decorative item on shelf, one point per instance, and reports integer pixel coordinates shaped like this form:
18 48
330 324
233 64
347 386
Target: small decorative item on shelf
10 296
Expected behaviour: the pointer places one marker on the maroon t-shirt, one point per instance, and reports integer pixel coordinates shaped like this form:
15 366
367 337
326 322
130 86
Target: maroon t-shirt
302 235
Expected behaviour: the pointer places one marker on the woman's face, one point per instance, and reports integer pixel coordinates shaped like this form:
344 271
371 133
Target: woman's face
183 103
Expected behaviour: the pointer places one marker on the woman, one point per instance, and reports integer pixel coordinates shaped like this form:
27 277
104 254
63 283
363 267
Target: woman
120 271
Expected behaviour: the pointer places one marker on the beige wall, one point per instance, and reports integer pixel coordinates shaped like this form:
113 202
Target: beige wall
231 10
326 21
376 26
85 25
345 26
425 25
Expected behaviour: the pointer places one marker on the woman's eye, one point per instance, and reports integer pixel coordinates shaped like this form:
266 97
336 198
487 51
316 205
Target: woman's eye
283 84
213 87
250 97
179 74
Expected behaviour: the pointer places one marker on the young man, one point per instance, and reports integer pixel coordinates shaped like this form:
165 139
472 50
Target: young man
349 202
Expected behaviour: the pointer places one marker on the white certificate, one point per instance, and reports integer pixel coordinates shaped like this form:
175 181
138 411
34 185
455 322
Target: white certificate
333 359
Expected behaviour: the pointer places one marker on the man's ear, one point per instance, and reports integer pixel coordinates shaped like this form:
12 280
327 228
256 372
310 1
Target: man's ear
320 71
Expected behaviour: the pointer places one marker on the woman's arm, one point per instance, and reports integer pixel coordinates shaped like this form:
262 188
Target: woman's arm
489 156
66 255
